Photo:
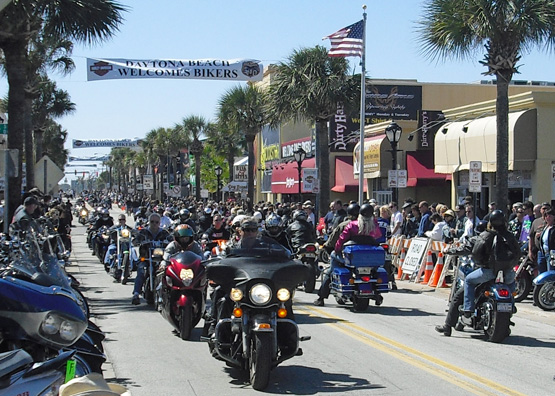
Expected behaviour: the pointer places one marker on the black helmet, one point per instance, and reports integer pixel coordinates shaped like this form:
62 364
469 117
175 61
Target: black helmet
481 226
497 219
299 215
367 210
353 209
184 214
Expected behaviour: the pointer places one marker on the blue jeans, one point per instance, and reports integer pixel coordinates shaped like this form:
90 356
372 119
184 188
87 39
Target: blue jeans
482 275
140 277
112 249
542 262
335 261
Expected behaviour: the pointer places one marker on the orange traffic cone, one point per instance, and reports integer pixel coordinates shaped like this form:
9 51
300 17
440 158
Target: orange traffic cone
401 261
429 268
438 269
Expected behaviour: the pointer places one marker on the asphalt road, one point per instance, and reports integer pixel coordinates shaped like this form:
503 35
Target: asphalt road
388 350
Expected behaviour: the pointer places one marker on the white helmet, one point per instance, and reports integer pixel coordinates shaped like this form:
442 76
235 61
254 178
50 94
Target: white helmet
258 216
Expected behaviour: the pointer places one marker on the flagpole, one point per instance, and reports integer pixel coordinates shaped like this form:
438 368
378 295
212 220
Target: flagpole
361 179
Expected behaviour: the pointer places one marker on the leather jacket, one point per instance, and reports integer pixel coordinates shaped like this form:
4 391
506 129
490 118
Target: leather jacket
300 232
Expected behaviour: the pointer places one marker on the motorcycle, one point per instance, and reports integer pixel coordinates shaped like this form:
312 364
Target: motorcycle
255 329
83 215
544 286
152 252
323 253
307 254
42 314
182 292
120 265
493 301
102 241
20 375
362 278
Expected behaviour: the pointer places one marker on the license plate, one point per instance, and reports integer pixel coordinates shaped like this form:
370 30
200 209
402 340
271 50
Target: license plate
504 307
311 255
364 270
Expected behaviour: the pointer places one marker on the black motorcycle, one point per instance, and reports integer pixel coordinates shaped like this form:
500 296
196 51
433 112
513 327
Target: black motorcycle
255 328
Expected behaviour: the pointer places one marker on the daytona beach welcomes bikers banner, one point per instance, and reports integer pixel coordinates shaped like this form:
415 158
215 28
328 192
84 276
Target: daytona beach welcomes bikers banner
106 143
207 69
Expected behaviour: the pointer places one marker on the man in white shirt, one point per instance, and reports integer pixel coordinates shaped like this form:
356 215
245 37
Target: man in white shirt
396 219
471 221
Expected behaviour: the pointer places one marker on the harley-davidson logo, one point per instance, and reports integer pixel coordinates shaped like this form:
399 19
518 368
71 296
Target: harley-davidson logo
250 69
77 143
101 68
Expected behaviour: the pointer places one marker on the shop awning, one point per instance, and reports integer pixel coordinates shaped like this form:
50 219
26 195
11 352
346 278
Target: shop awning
420 169
455 148
344 179
285 177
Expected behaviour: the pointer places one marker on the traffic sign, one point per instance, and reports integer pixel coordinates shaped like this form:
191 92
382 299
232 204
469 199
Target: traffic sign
475 176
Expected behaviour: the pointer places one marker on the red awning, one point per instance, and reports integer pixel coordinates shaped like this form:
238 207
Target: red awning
344 179
420 169
285 179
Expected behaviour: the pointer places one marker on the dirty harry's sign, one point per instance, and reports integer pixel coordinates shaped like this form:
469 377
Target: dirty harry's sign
207 69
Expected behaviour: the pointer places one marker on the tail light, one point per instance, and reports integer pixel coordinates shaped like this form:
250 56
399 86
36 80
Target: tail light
385 246
311 248
365 278
504 293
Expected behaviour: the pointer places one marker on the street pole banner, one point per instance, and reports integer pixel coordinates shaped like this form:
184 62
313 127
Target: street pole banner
106 143
204 69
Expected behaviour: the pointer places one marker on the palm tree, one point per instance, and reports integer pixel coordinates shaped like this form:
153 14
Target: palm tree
307 88
227 142
20 21
505 29
192 129
242 109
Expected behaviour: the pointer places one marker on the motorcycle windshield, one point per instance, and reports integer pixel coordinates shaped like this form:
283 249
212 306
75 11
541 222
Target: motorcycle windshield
283 272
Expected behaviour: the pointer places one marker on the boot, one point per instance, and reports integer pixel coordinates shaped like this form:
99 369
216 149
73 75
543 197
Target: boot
445 330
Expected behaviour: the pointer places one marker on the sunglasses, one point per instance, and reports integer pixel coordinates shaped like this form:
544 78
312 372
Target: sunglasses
154 222
250 229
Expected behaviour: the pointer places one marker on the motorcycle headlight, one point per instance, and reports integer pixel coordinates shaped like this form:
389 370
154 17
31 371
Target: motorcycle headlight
125 233
84 213
158 252
186 276
61 330
105 237
283 295
260 294
236 294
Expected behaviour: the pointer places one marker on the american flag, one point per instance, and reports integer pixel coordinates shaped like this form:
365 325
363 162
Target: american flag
347 41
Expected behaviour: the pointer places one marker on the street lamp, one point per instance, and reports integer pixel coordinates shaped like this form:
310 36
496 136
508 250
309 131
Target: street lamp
218 171
300 155
393 133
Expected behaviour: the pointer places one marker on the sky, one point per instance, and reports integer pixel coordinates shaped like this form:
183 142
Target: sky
264 30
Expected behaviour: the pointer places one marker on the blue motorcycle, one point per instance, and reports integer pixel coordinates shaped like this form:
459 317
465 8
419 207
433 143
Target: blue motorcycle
362 278
544 290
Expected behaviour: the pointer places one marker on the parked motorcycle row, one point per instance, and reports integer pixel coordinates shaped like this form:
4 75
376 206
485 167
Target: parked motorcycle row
46 337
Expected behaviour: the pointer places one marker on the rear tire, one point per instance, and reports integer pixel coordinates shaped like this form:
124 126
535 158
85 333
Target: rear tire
544 296
361 304
260 361
185 322
523 286
497 324
324 256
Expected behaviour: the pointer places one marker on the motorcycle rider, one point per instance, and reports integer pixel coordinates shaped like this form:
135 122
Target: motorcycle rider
103 220
273 228
300 231
114 239
23 218
483 258
155 235
215 232
205 221
352 214
182 241
185 218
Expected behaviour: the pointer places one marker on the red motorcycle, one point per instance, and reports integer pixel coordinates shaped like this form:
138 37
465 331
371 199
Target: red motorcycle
182 292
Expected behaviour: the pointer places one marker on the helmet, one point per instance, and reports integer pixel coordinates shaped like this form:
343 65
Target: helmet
184 214
481 226
104 212
497 219
367 210
208 210
299 215
258 216
181 232
273 225
353 210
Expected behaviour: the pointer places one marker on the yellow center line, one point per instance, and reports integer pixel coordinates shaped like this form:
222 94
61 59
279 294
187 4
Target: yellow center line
425 362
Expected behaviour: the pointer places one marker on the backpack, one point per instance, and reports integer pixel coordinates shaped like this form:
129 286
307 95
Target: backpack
503 254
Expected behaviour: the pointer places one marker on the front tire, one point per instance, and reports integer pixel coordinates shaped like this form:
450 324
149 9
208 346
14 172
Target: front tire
260 360
496 324
125 266
185 322
148 293
544 296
